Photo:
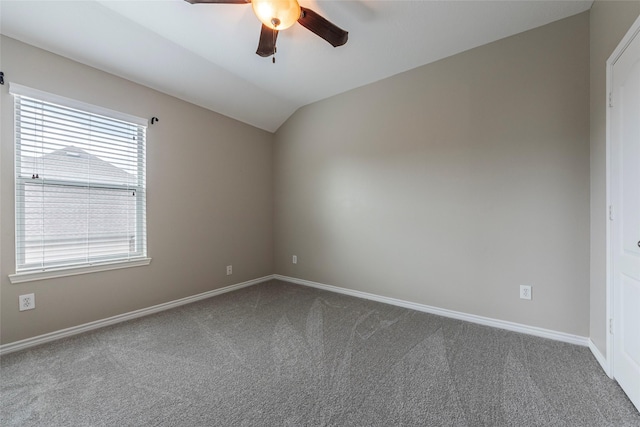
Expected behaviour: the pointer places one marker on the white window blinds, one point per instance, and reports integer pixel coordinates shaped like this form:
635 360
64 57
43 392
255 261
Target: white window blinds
80 185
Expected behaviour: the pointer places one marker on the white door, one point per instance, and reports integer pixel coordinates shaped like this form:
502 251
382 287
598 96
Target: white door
625 232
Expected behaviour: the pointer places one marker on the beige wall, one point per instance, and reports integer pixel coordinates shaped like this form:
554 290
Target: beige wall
209 201
609 22
451 184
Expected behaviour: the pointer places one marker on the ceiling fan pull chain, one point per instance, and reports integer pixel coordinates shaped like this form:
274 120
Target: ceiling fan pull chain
275 48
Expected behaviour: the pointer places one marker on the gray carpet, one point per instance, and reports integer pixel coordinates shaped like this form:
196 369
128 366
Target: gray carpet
278 354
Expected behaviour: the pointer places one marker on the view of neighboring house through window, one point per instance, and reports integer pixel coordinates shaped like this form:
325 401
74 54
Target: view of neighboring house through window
80 186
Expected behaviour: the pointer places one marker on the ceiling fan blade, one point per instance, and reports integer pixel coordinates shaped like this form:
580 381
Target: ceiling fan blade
267 43
323 28
219 1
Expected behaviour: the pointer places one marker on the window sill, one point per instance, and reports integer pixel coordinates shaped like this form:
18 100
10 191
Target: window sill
74 271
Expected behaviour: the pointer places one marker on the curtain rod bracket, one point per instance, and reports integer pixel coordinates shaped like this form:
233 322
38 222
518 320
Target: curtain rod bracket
154 120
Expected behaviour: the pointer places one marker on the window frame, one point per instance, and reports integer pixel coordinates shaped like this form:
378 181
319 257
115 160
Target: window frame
96 264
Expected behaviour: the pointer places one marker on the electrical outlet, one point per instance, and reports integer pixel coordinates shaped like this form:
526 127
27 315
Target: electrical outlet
525 292
27 302
294 259
229 270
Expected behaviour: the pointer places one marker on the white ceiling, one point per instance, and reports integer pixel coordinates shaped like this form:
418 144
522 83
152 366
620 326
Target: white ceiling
205 53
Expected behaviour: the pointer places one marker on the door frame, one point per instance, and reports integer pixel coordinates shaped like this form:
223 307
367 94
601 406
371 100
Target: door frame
633 32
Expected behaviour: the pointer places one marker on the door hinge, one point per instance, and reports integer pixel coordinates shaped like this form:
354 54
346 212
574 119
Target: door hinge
610 99
611 326
610 212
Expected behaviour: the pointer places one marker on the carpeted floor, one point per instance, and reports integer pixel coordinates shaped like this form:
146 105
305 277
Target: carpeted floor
278 354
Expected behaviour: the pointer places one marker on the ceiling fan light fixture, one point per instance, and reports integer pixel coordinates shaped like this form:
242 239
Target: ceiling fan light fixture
277 14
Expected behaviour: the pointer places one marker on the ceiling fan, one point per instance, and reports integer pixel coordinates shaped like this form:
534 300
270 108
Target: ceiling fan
277 15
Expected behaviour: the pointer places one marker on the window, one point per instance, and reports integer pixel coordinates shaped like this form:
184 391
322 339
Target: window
80 184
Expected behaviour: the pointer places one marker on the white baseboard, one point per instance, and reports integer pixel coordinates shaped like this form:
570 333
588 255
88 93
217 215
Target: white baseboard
603 361
502 324
63 333
487 321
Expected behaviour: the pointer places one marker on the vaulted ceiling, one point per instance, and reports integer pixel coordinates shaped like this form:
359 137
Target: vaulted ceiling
205 53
